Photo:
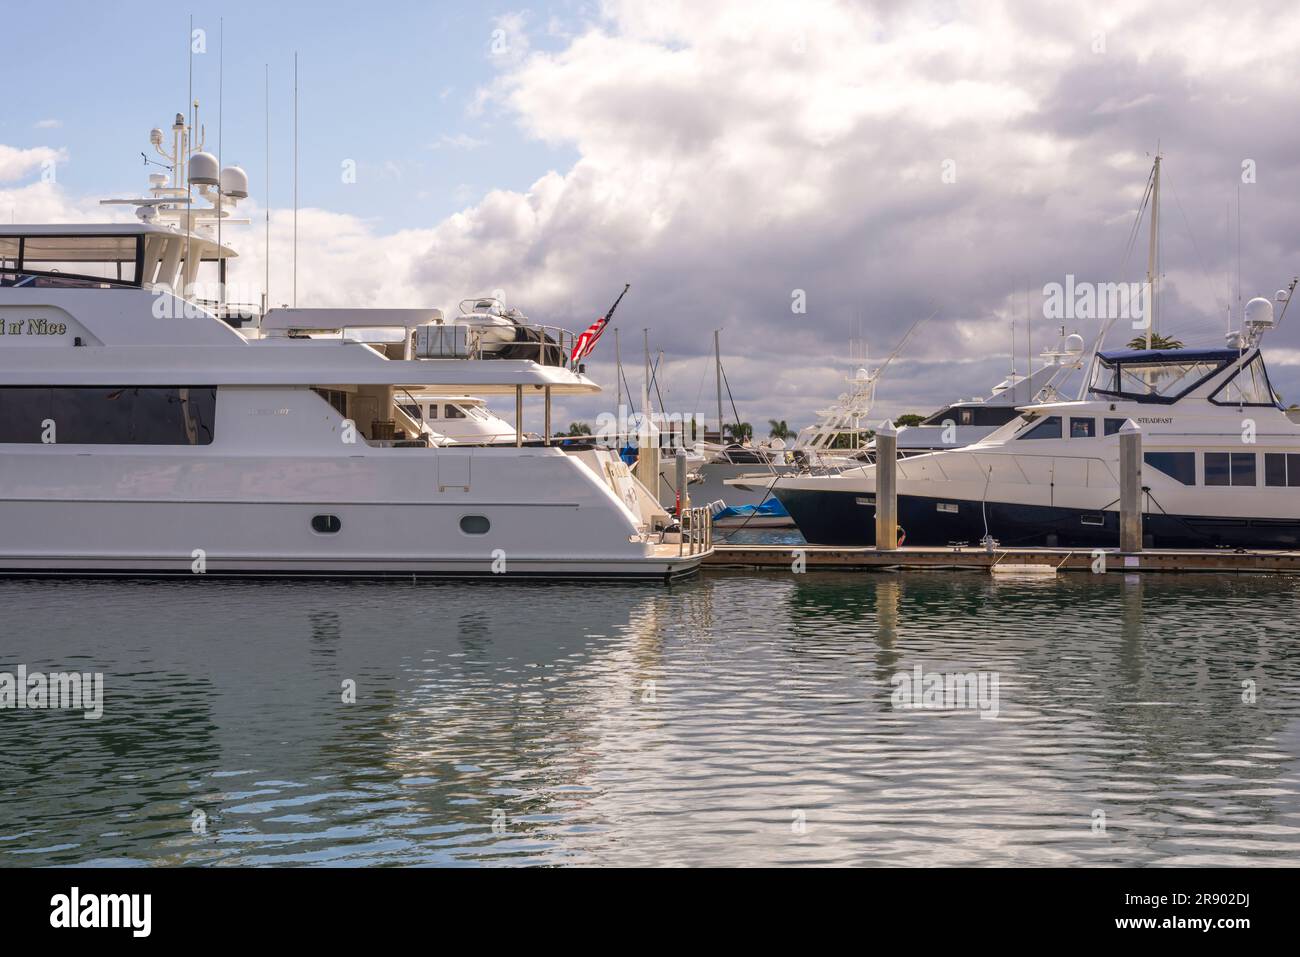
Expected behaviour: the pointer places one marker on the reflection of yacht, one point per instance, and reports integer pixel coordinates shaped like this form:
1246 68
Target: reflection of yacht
1221 461
140 433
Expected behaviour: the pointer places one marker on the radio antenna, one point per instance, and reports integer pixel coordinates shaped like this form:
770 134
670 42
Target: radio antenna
295 179
221 109
183 163
266 257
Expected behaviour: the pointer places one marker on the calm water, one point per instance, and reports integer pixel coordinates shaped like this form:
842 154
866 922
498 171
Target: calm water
518 724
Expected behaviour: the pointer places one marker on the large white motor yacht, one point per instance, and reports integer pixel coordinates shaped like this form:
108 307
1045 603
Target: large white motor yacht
1221 462
142 433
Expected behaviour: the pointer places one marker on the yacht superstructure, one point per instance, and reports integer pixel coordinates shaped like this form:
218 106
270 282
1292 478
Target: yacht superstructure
142 433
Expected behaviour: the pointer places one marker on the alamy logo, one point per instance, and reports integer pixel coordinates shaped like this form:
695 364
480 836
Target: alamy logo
1096 300
74 910
58 690
918 690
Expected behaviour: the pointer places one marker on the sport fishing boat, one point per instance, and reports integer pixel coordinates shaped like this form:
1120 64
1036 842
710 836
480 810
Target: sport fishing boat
141 432
1221 457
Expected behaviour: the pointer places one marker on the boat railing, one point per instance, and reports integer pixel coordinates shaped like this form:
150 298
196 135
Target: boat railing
545 345
697 531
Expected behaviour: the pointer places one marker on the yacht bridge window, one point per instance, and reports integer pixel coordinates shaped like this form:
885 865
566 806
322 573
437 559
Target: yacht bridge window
96 260
1049 428
1249 385
1083 428
1156 375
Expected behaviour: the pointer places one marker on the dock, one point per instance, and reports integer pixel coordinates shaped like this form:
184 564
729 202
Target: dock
833 558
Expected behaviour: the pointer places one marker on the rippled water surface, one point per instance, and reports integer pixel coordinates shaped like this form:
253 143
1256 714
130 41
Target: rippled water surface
736 719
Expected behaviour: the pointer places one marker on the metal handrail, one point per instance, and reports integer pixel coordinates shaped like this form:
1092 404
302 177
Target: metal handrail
696 536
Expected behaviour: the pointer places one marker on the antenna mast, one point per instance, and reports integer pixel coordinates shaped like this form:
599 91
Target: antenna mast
221 107
1152 271
295 179
266 257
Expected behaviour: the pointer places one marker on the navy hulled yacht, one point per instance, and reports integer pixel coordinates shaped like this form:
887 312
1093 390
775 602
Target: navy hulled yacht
1221 463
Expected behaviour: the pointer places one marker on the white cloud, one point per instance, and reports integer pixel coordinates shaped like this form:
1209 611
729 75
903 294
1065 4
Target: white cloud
47 124
18 163
732 152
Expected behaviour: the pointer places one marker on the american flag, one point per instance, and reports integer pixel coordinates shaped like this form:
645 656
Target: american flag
587 341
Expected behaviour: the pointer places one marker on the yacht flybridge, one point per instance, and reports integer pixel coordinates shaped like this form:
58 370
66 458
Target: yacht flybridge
146 431
1221 462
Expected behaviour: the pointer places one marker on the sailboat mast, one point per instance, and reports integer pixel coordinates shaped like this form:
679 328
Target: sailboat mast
1152 251
618 373
717 374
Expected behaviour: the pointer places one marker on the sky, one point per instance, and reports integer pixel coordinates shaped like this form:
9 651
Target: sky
877 163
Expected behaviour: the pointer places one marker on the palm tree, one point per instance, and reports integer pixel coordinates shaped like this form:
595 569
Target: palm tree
740 431
578 428
1157 342
779 429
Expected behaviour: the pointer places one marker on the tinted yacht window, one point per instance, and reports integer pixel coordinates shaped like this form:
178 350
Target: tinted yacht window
1049 428
1178 465
109 415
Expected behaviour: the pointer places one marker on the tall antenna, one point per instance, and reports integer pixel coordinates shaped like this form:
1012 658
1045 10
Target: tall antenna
295 179
1152 250
183 166
221 109
266 257
1239 248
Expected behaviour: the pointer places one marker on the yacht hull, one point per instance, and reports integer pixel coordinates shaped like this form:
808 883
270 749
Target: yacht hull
846 518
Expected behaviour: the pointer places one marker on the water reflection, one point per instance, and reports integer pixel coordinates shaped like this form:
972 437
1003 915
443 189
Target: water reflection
741 718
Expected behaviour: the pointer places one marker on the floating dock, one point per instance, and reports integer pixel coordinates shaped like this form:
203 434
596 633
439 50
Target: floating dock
832 558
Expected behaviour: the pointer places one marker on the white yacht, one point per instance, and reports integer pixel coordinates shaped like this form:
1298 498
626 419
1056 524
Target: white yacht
458 418
141 433
1221 462
968 421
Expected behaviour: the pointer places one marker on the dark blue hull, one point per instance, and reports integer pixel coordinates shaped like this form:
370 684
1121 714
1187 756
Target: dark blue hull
848 519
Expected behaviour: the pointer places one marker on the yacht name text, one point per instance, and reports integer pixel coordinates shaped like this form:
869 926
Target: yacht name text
33 327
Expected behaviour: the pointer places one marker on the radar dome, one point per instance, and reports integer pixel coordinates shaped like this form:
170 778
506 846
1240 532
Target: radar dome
1074 344
204 170
1259 312
234 182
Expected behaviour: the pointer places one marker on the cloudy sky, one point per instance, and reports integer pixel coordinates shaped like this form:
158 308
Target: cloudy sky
883 161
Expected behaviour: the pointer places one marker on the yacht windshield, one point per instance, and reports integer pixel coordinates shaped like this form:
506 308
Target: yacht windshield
1155 376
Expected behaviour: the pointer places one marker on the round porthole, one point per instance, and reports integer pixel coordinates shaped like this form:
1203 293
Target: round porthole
475 525
326 524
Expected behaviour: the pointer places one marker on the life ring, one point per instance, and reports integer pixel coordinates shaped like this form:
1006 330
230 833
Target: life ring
902 536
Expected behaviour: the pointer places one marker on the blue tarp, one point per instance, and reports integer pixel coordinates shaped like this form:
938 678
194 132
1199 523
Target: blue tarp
769 509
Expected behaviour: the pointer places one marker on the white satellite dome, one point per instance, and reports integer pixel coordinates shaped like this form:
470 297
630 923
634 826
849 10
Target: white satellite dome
1074 344
1259 312
234 182
204 170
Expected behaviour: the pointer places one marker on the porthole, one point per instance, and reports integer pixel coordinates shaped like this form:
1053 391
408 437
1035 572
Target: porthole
475 525
326 524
